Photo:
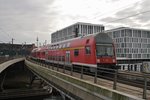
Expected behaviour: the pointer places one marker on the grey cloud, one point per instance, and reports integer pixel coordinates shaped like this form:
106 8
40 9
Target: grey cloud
144 6
147 24
120 17
144 17
126 12
26 19
113 0
121 14
108 19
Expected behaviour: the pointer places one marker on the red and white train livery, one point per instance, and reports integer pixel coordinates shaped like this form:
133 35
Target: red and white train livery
91 51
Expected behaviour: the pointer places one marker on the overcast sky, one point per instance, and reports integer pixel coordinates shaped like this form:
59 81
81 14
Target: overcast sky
24 20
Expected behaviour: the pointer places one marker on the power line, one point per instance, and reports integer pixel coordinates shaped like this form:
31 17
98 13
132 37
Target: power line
129 16
118 9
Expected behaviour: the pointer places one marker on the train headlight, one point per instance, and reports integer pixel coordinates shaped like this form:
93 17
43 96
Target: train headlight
114 60
98 60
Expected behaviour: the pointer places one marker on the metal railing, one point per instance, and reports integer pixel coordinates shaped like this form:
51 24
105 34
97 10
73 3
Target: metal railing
109 74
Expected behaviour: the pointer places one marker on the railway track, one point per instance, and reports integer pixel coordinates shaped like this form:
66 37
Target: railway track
126 77
134 78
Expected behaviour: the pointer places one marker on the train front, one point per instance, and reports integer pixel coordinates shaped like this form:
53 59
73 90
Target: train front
105 51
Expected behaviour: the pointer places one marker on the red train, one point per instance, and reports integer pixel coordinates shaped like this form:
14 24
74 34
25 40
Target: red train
94 50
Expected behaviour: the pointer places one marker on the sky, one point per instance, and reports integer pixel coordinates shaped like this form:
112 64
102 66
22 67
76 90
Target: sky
25 20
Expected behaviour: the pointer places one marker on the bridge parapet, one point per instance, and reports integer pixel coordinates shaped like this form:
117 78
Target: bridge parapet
9 62
78 87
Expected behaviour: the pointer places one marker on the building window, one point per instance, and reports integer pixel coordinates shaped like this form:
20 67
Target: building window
122 33
87 50
139 55
128 32
76 52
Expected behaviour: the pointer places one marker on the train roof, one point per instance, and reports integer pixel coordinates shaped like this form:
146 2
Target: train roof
35 49
100 37
103 38
39 49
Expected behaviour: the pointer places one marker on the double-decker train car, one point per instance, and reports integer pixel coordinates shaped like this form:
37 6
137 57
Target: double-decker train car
95 50
39 53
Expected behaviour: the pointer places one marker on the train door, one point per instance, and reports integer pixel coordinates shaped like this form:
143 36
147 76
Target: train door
67 57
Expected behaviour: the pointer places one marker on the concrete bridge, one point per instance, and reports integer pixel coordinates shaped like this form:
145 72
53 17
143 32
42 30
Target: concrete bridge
76 88
4 66
16 68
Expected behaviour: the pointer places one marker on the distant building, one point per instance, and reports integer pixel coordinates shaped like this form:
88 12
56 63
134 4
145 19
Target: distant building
132 46
15 49
76 30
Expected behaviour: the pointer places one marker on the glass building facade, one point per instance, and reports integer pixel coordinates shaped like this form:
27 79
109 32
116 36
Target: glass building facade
131 43
76 30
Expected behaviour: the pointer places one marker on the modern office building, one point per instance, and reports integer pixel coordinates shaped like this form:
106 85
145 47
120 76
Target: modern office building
132 44
76 30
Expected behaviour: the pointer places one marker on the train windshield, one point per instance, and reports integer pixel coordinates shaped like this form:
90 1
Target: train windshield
104 50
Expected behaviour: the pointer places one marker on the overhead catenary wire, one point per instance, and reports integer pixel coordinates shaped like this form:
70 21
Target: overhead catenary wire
143 12
119 9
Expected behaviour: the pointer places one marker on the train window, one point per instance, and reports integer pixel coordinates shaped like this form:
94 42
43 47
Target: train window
76 52
68 44
56 47
60 46
87 50
104 50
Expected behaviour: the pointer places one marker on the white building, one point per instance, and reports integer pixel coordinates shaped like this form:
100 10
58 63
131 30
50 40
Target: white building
76 30
131 44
